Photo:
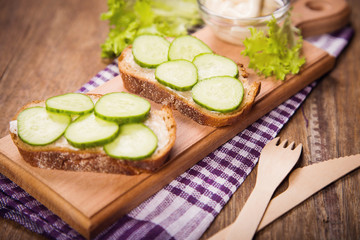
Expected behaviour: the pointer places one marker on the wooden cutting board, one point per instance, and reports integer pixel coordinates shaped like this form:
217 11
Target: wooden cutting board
90 202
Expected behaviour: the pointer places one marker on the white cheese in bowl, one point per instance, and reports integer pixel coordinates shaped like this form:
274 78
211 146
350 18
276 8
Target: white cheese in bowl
231 20
243 8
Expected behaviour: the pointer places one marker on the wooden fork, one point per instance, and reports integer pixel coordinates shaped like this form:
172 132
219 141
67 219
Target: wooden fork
276 161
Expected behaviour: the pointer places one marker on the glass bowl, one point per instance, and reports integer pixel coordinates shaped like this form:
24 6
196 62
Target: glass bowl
234 29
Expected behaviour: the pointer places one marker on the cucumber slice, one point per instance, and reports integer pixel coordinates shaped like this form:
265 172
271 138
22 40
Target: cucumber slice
187 47
213 65
91 131
38 127
150 50
135 141
122 107
70 103
180 75
221 94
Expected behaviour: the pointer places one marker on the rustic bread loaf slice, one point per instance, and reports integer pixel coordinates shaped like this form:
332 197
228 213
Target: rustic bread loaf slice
142 81
62 156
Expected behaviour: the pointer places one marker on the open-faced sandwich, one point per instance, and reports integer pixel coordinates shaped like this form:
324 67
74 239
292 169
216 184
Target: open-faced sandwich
210 89
112 133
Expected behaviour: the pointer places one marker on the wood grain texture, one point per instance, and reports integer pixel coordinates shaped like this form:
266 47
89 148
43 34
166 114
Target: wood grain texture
318 17
55 44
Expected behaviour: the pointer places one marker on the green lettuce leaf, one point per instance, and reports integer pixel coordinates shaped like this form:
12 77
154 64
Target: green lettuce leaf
276 53
130 18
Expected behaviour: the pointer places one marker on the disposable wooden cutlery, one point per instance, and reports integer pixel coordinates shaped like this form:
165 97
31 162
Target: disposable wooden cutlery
276 161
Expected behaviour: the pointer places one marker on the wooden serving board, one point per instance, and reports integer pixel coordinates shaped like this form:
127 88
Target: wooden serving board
90 202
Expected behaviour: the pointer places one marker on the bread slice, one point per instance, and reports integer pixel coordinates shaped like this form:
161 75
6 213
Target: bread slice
61 155
142 81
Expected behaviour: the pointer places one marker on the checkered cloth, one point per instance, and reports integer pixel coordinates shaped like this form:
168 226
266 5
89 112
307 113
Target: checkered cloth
185 207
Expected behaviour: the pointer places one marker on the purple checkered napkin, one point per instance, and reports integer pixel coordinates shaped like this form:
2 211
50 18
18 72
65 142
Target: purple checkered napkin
186 207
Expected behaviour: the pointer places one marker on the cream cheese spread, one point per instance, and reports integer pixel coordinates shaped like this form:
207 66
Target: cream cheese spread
158 126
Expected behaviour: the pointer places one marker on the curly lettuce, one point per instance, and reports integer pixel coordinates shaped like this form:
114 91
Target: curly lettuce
276 53
130 18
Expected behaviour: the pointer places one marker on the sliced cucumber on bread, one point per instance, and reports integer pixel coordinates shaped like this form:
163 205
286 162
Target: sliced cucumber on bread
36 126
187 47
122 107
90 131
53 140
180 75
135 141
150 50
222 94
70 103
218 109
213 65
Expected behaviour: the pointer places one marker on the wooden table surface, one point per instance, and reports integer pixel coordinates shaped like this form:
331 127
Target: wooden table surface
53 47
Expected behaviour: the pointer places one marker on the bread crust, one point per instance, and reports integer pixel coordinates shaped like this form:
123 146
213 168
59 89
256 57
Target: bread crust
142 81
94 159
